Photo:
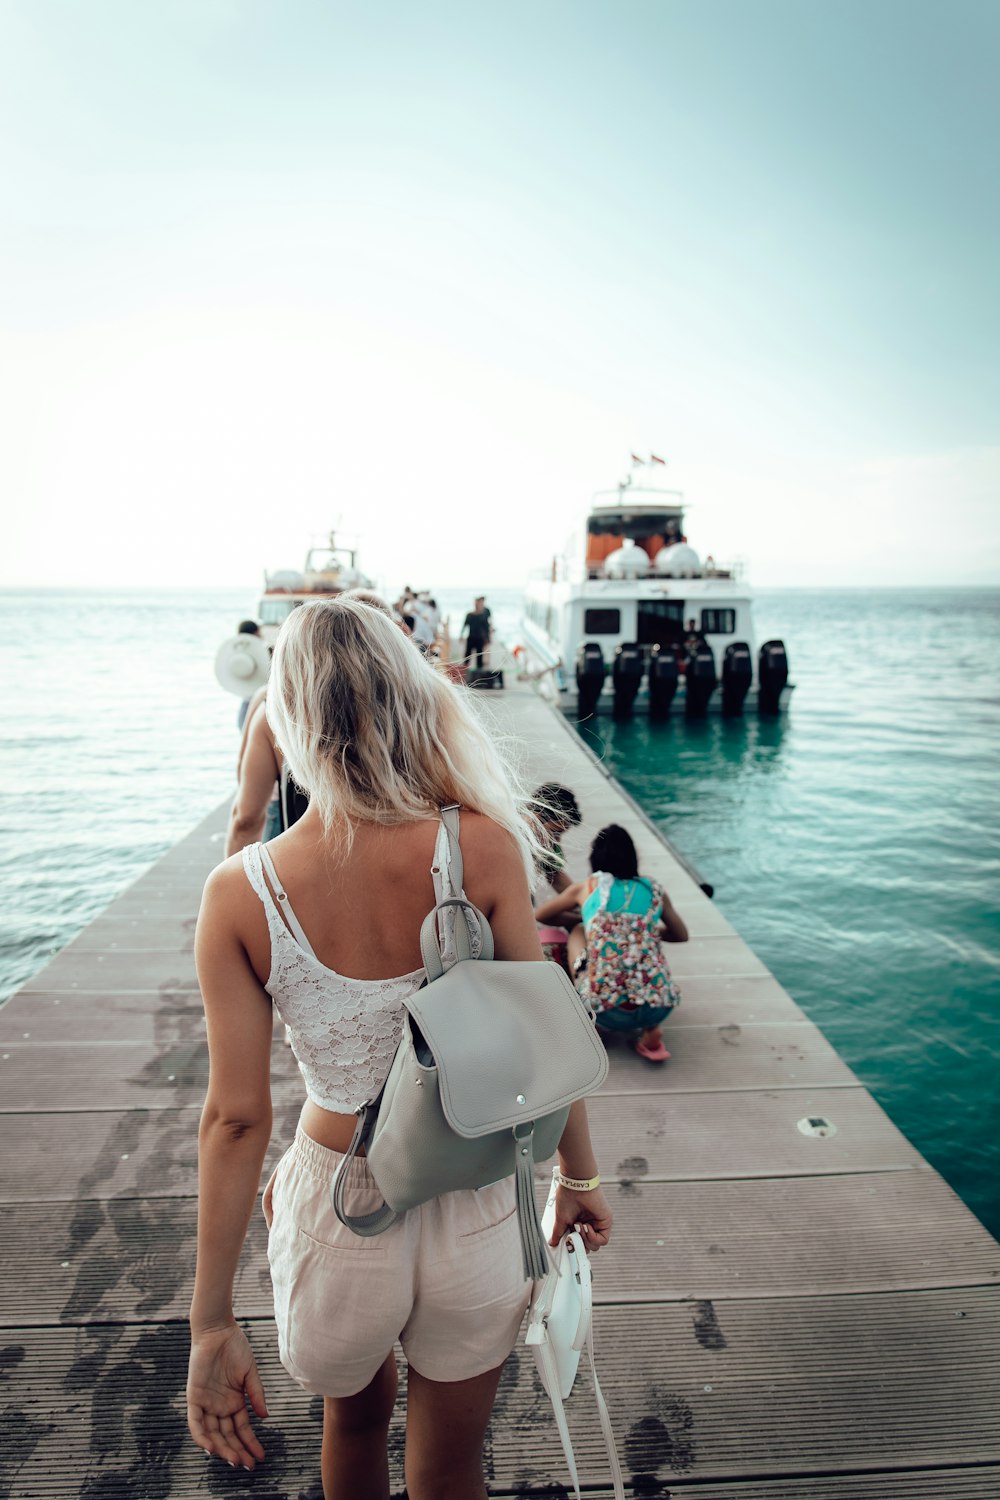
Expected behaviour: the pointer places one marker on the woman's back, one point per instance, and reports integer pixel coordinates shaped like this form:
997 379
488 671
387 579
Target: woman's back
361 909
635 896
338 948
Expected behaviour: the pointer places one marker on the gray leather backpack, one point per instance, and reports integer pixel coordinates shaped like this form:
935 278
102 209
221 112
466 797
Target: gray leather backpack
493 1054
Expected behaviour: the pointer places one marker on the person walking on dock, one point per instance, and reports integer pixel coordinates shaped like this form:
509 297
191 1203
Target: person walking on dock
324 924
478 632
615 955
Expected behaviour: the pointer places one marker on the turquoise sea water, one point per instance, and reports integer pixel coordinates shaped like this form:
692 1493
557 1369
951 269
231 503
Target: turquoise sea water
854 844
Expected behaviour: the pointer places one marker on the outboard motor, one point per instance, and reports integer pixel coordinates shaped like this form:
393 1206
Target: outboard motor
626 675
772 674
737 673
701 679
663 677
589 677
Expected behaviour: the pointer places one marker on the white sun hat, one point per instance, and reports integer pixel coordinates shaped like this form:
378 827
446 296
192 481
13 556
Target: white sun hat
242 664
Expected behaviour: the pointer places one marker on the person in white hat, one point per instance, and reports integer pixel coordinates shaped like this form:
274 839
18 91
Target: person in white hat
242 664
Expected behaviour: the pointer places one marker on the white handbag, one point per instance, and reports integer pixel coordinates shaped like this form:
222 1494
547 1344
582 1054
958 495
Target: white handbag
560 1327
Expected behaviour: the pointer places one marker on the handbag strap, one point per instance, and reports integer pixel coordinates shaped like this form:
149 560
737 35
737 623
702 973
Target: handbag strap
379 1219
603 1417
617 1481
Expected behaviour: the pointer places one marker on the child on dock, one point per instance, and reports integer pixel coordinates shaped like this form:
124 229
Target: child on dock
324 924
615 953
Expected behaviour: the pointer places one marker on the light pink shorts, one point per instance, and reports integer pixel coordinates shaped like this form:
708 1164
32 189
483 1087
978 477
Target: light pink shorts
445 1279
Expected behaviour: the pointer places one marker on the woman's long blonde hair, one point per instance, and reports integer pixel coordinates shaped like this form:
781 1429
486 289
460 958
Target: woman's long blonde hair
374 733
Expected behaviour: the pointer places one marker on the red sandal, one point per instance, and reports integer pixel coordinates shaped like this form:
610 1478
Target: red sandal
654 1052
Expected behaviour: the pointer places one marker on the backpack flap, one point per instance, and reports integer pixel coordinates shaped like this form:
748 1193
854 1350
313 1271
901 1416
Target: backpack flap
512 1043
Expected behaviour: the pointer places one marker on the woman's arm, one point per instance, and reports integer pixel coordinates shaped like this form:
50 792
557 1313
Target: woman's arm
232 1142
673 927
256 703
589 1210
259 771
573 896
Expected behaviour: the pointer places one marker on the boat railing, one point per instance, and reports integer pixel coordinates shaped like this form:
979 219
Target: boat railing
726 572
558 571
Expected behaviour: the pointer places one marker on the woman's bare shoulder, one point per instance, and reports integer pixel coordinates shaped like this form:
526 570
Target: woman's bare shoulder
481 835
227 885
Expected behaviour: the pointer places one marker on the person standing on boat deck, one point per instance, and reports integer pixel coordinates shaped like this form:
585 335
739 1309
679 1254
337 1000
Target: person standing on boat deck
381 741
615 956
478 632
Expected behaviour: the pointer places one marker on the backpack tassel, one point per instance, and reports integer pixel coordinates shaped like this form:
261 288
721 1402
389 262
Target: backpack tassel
534 1252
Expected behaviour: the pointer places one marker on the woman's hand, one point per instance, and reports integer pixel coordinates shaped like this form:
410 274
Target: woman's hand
222 1376
589 1210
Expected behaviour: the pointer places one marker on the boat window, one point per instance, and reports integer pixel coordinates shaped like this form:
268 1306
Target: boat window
275 611
660 622
602 621
718 621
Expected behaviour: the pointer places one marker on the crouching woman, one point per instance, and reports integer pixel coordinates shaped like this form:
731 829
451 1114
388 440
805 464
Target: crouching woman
615 953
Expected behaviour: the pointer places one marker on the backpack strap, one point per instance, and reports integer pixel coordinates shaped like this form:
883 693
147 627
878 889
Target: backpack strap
454 926
449 820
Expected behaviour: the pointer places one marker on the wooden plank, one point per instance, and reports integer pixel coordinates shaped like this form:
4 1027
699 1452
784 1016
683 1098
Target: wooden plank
695 1394
143 1018
165 1070
176 902
114 1260
171 1071
131 1259
739 1000
712 956
752 1134
772 1387
151 1152
148 1153
701 916
935 1484
721 1000
104 973
137 932
791 1237
757 1056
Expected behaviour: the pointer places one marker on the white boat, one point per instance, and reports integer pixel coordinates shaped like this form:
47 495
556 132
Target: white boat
328 569
634 613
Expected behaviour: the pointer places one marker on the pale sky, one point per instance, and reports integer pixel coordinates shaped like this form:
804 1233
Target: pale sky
430 272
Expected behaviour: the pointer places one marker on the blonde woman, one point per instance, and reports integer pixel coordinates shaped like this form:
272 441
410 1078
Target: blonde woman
323 924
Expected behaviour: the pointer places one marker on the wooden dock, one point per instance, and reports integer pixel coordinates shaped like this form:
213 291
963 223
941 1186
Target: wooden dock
789 1311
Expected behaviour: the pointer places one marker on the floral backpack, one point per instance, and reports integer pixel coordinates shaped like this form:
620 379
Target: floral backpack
625 963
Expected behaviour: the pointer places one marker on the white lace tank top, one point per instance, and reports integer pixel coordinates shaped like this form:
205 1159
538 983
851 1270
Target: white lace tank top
344 1032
